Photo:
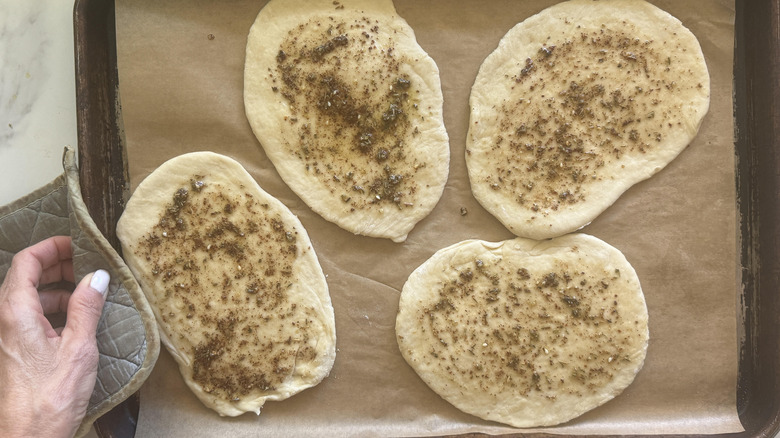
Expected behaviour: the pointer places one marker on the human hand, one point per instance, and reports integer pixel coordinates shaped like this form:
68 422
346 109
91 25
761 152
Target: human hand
47 374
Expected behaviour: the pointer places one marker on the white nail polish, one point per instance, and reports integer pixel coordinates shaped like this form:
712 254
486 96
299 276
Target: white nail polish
99 281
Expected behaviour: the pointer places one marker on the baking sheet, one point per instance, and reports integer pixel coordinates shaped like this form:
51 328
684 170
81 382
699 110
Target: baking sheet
181 64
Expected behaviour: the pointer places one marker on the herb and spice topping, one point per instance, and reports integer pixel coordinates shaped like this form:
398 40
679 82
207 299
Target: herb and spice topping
225 263
537 331
567 118
577 117
354 109
525 332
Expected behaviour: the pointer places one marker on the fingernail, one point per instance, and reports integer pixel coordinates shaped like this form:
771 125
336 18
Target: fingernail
99 281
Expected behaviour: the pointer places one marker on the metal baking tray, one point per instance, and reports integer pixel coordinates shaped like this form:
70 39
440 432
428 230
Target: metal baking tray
103 172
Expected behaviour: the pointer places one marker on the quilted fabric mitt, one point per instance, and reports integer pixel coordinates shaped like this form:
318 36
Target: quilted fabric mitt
127 337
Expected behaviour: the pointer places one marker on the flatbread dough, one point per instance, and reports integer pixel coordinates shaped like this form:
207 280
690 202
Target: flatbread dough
236 288
577 104
348 107
524 332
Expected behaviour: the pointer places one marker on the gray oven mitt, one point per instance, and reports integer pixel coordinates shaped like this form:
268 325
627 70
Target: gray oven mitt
127 336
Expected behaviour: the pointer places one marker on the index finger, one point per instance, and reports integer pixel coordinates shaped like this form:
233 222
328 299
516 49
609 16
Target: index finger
46 262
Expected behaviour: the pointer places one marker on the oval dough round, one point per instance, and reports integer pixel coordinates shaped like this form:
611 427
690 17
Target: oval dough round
348 107
524 332
236 288
577 104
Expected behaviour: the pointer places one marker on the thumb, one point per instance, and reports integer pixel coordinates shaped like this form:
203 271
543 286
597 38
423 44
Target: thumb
86 305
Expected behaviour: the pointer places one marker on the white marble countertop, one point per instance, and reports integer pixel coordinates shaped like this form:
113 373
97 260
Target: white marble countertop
37 93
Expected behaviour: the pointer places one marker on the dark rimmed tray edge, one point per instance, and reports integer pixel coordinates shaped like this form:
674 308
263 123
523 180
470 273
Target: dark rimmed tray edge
103 173
101 150
756 96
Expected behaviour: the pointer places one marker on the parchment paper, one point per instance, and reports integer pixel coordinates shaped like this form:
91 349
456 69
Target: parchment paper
181 79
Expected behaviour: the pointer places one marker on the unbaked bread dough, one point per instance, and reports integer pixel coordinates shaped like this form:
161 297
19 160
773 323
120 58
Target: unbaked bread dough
524 332
348 107
236 288
577 104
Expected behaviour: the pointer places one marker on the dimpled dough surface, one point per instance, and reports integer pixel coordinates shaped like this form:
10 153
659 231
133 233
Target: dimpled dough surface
524 332
577 104
236 288
348 107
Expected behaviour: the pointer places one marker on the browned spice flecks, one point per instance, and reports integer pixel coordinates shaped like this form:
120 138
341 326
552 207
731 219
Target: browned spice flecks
353 126
564 119
227 274
496 323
